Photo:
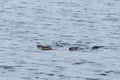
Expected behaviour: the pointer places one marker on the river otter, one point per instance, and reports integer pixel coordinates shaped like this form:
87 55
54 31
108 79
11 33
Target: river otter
73 48
97 47
46 48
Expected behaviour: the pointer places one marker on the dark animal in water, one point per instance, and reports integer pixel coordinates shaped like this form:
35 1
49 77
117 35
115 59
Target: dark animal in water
73 48
46 48
97 47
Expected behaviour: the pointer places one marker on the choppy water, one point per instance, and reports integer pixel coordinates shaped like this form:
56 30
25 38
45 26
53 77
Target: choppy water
84 23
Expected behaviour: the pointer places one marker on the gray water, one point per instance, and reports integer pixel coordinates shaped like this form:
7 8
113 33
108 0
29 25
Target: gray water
84 23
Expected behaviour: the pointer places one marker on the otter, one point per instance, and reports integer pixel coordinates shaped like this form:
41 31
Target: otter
46 48
73 48
97 47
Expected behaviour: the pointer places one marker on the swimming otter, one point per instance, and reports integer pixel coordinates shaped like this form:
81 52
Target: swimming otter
73 48
46 48
97 47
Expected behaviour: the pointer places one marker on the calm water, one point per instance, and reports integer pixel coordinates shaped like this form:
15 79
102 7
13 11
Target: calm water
84 23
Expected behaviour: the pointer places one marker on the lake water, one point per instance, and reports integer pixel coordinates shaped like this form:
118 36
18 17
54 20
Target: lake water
67 23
